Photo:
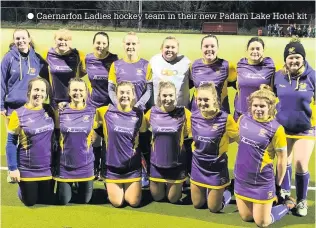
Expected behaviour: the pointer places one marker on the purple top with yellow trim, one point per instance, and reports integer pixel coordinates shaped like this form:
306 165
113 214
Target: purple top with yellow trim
35 128
256 150
296 110
249 79
62 68
219 72
169 130
121 133
138 73
76 129
98 73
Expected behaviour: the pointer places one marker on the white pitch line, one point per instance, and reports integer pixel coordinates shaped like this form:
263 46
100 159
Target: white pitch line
292 187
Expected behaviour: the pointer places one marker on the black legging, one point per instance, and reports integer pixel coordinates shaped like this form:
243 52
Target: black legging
64 192
32 192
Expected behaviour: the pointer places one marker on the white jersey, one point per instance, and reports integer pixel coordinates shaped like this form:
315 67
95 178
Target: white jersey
178 73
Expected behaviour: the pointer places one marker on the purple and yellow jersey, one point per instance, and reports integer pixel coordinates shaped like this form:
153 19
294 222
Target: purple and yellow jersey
138 73
220 72
76 130
249 79
168 132
258 144
35 128
177 72
98 74
211 136
121 133
61 69
296 109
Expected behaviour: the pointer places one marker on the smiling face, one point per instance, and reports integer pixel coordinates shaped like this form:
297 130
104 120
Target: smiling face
170 49
131 45
22 40
77 92
260 109
206 102
62 44
255 51
209 49
125 95
101 45
167 98
38 93
294 62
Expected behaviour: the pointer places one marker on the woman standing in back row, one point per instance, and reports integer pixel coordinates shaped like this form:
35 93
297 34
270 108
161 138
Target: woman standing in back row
296 111
251 73
98 66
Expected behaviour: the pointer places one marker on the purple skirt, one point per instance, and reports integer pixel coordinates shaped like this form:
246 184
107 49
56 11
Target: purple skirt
309 134
84 173
168 175
255 193
118 175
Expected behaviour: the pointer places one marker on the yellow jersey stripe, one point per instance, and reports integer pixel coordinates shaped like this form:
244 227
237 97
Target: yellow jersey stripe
122 181
161 180
36 178
74 180
255 200
209 186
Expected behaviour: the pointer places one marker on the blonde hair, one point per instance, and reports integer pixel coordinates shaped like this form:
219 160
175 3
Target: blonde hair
169 38
126 83
265 92
63 33
163 85
210 86
131 34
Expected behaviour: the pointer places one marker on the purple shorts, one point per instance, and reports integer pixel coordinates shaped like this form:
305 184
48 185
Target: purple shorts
168 175
210 175
84 173
256 193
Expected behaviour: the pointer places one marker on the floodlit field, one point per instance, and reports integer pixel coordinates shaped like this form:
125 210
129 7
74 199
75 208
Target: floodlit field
99 213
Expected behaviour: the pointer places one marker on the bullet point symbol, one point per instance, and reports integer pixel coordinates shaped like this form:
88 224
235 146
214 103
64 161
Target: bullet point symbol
30 16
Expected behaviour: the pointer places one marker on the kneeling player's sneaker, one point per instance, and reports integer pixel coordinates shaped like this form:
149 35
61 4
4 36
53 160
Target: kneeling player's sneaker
230 187
285 193
186 185
289 202
301 208
145 181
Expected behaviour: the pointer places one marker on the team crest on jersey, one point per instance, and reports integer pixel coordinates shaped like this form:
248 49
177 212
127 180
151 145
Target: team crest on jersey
283 86
168 72
32 71
214 127
46 115
262 132
218 71
302 86
223 180
133 119
292 50
270 194
139 72
86 118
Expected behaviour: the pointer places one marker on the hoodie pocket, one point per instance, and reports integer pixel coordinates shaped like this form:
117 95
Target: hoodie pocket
294 121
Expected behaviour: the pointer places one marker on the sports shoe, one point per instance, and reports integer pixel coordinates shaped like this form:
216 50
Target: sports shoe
301 208
186 185
145 181
231 186
289 202
285 193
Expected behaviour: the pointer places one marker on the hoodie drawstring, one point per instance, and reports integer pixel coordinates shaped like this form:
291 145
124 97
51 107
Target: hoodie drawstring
20 58
297 83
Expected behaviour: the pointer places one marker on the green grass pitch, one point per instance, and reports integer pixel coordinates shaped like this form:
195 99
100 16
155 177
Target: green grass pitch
151 215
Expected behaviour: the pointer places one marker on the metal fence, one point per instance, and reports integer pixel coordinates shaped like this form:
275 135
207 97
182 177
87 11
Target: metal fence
97 19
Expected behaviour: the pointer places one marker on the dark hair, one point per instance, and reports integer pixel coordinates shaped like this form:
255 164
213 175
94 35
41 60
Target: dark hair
209 36
30 86
103 34
255 39
28 34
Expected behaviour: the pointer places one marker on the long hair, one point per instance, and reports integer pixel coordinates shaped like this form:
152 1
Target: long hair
28 34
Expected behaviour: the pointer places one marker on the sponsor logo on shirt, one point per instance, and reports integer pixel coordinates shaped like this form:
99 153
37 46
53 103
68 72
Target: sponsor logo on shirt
254 76
76 129
166 129
283 86
205 139
63 68
49 127
167 72
204 82
250 142
124 130
100 77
